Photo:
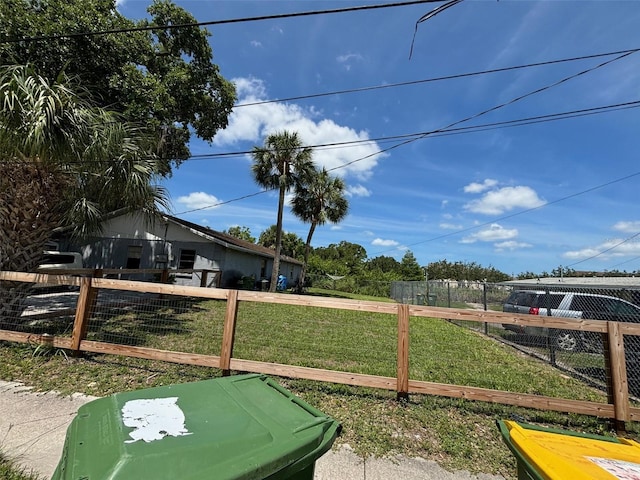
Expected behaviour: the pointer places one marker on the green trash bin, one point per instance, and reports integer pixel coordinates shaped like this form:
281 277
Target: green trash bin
431 300
239 427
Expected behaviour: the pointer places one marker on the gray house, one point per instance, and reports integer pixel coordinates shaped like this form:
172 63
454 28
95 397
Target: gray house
133 241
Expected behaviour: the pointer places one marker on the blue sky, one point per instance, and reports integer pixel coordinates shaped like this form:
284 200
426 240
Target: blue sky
525 198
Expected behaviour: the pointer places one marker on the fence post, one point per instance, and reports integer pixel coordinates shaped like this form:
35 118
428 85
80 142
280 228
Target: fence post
229 332
403 352
484 302
84 308
203 278
616 368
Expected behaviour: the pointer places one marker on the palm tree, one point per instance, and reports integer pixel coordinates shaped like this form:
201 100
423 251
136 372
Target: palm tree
281 164
63 164
317 201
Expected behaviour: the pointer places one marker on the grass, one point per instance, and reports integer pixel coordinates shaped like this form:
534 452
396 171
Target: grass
9 470
458 434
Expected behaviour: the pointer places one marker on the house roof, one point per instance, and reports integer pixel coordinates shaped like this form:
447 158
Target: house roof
611 282
228 240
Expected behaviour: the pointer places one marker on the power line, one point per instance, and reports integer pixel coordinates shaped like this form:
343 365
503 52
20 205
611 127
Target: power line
626 261
606 250
521 212
445 132
494 108
213 22
437 79
450 131
590 111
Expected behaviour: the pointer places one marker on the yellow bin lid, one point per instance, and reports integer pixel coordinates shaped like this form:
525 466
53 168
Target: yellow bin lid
558 456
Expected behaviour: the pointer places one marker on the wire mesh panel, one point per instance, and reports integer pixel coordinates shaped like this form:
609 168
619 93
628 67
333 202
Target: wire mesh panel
442 351
166 322
579 353
332 339
30 308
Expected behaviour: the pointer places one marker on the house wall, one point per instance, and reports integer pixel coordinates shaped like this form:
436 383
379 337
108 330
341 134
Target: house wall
164 241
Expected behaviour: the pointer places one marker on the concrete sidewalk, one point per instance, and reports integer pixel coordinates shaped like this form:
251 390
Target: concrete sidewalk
33 428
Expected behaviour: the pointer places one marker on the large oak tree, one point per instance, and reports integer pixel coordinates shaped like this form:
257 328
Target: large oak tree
164 78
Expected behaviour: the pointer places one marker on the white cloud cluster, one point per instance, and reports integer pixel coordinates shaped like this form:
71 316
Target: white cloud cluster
611 248
494 233
197 200
357 191
628 227
379 242
498 201
480 187
254 122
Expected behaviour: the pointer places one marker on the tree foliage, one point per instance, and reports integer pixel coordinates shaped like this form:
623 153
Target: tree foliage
318 199
63 164
164 78
243 233
282 163
445 270
409 267
292 244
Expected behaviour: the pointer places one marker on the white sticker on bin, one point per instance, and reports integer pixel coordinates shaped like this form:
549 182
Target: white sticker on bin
154 419
618 468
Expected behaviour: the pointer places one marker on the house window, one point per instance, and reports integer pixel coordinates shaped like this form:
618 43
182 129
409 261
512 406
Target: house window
134 254
187 259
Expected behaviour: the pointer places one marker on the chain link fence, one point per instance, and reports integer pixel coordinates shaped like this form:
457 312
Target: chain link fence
581 354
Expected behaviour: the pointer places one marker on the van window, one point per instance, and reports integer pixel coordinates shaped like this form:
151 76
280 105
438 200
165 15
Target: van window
548 300
521 298
593 303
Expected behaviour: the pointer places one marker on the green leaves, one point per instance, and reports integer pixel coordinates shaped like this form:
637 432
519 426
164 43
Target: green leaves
164 78
71 162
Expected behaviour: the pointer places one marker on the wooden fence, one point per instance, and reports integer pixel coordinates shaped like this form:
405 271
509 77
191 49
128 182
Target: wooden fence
618 407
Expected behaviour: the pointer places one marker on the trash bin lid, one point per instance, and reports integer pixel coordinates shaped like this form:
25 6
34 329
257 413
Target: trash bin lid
563 454
239 427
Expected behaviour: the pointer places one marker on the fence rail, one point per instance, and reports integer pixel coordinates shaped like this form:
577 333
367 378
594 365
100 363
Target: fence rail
618 406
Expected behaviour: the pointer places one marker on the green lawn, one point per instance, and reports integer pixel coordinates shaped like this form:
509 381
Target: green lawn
458 434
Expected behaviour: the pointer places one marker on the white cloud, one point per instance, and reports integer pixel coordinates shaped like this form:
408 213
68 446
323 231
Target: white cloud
379 242
493 233
450 226
253 123
511 245
348 59
198 200
628 227
480 187
612 248
504 199
444 203
357 191
256 43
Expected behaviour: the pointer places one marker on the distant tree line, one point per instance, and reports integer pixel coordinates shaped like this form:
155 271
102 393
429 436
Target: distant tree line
346 266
